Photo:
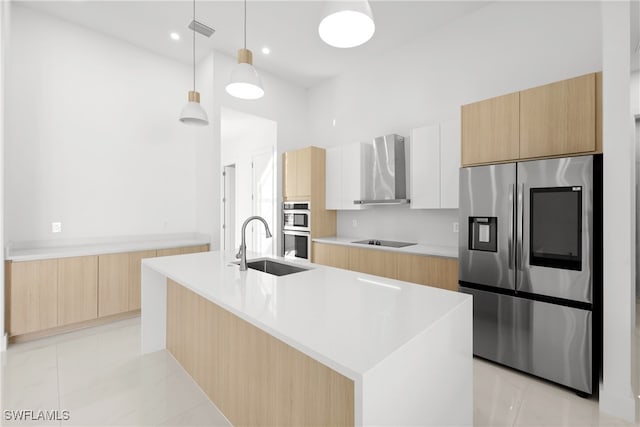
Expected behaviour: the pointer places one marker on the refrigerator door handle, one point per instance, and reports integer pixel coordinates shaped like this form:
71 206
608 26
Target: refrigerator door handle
511 243
520 214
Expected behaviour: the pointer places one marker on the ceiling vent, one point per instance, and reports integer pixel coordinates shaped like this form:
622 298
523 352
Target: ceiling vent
201 28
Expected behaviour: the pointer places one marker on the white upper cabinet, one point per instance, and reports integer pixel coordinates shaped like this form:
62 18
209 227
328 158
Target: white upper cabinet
344 182
435 163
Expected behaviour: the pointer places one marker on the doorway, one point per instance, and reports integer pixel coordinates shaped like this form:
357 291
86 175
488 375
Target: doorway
229 207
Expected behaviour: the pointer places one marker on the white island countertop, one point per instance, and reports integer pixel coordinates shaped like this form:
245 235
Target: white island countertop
347 320
417 249
406 347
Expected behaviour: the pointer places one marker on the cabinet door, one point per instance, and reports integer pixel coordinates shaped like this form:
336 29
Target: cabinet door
182 250
303 174
289 172
428 270
353 158
113 284
77 289
33 296
449 164
371 261
425 168
331 255
558 118
490 130
333 191
135 279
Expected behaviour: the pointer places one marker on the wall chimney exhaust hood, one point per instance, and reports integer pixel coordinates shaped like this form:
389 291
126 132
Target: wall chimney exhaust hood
385 173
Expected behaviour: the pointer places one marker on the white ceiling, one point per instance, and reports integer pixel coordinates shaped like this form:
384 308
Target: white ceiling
288 28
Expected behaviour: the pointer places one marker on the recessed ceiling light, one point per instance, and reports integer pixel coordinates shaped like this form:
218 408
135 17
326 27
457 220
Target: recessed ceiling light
174 36
266 50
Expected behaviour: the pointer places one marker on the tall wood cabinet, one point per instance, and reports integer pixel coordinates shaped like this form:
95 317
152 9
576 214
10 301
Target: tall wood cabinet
558 119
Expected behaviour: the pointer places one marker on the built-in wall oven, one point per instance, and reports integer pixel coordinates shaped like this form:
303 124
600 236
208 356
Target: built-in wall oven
296 230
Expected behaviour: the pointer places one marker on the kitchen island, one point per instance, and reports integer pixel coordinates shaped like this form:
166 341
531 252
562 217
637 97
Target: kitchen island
322 346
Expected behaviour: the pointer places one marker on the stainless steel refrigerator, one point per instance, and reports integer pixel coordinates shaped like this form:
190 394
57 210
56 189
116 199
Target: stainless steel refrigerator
530 254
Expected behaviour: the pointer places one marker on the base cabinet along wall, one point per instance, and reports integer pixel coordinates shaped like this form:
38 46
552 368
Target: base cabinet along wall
32 296
77 289
428 270
55 295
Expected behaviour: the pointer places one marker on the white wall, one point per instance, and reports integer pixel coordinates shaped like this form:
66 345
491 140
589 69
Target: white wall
93 138
616 390
5 14
501 48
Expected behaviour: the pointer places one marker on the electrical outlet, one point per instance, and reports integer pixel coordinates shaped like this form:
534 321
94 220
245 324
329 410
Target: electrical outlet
354 223
456 227
56 227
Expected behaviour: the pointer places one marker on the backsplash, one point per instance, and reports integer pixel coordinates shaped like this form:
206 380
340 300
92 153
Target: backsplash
398 222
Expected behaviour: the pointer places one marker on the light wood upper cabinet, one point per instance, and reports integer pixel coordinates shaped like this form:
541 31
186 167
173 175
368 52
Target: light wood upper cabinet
77 289
113 284
296 174
558 118
135 277
490 130
331 255
372 261
429 270
32 296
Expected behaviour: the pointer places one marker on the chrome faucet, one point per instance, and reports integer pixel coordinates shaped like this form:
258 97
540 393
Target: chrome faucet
242 252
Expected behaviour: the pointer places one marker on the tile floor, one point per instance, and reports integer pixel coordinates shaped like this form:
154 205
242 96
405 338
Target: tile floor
99 376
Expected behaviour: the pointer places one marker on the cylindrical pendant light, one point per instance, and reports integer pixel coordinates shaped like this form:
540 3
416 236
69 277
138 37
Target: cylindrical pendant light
193 113
346 23
245 82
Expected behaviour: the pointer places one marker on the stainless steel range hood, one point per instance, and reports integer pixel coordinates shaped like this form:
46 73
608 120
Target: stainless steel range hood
385 174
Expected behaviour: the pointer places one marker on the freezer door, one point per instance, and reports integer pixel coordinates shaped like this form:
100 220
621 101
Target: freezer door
555 228
547 340
486 236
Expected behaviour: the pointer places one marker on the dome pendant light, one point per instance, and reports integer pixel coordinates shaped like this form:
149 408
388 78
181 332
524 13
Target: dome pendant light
193 113
346 23
245 83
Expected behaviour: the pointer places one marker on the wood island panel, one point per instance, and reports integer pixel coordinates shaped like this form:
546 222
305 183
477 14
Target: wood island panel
254 378
77 289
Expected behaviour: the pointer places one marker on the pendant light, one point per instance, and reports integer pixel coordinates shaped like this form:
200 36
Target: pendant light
346 23
193 113
245 83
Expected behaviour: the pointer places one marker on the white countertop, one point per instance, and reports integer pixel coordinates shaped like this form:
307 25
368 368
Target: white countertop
30 251
418 249
347 320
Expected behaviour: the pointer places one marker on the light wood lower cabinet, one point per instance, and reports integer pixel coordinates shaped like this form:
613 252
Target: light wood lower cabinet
113 284
183 250
32 296
428 270
254 378
331 255
57 295
77 289
135 277
371 261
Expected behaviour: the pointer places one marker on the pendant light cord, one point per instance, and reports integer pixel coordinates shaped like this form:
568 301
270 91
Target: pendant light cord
194 45
245 24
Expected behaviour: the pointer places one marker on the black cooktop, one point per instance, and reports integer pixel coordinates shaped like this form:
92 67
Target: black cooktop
389 243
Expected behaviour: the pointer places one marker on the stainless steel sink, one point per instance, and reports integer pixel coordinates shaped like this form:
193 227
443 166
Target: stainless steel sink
273 267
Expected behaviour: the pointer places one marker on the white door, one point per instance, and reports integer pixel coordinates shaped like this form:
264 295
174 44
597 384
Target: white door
264 201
